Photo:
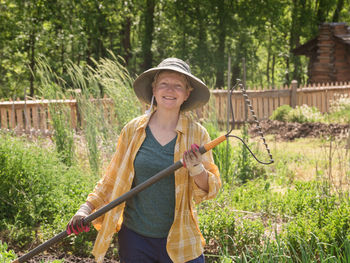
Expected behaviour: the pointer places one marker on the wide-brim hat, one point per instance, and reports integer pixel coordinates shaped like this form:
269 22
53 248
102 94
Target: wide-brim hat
199 96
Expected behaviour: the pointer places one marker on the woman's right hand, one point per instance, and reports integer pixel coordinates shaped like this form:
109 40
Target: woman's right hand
76 224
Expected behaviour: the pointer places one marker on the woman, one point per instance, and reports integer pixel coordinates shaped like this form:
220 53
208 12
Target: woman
159 224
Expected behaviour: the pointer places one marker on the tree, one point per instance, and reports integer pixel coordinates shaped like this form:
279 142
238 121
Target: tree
147 40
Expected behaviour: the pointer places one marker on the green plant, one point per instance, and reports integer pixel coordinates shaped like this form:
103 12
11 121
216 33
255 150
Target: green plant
246 167
304 113
339 110
6 256
222 154
281 113
63 136
101 118
36 191
60 112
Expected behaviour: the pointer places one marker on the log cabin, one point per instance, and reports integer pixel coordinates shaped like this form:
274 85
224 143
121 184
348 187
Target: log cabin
328 53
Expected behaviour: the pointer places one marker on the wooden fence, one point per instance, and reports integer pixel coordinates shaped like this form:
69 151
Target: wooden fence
264 102
33 116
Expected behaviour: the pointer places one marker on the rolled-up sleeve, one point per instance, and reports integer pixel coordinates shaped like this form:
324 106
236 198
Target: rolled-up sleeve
214 180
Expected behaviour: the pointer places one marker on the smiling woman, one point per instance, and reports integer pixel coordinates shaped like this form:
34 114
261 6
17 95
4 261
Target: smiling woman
159 224
170 91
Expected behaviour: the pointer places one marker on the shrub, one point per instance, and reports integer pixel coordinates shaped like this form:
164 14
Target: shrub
36 190
300 114
281 113
304 113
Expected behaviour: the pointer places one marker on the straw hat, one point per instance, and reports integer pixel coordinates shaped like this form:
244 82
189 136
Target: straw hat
199 95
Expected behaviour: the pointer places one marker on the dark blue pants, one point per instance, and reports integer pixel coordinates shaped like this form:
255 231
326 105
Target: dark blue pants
135 248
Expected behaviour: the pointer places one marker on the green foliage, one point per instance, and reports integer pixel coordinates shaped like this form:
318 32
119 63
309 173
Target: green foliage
63 133
246 167
36 190
204 33
235 163
60 113
304 113
314 223
101 120
222 154
5 255
340 109
300 114
281 113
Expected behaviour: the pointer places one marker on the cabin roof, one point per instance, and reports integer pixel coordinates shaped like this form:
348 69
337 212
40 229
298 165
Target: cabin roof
311 46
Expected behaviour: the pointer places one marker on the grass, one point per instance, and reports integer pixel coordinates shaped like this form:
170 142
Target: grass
307 159
280 218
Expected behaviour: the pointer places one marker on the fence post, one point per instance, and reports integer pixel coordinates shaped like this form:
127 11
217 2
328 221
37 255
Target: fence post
293 94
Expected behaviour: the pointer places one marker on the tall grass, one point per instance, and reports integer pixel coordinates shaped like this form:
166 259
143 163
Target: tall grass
60 120
101 118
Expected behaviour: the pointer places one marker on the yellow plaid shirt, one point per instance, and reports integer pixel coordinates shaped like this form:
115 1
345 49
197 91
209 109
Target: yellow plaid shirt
184 241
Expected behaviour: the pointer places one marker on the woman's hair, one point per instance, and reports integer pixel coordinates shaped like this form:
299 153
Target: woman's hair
188 86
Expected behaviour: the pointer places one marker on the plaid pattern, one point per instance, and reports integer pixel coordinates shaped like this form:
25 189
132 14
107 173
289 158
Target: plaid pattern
184 242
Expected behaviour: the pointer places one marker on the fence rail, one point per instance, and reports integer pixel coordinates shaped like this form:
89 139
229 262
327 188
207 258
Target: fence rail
33 116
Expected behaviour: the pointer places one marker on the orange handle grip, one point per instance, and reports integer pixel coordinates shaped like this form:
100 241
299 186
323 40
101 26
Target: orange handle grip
214 143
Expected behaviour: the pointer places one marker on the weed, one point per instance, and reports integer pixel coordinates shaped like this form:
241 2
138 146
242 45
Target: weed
6 256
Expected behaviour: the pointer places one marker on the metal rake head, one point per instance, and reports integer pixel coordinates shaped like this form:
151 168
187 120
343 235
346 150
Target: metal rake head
239 84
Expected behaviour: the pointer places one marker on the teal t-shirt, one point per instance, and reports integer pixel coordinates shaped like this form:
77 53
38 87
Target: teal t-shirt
151 212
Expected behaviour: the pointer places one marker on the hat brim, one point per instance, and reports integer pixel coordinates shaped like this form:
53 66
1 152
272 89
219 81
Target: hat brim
199 95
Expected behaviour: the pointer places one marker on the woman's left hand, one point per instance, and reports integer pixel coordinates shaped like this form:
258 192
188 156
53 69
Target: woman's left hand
192 160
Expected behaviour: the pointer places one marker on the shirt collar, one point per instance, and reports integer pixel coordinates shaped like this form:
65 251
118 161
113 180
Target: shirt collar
182 123
181 126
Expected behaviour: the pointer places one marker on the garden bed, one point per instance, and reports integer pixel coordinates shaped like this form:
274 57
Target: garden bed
289 131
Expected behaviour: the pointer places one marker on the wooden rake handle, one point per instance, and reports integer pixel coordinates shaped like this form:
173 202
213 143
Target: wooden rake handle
167 171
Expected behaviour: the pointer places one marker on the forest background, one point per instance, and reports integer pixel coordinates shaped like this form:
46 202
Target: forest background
143 32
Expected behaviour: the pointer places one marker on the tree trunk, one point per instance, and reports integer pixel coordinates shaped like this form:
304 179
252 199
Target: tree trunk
321 11
32 62
340 5
295 38
125 34
201 38
273 71
221 45
148 34
268 61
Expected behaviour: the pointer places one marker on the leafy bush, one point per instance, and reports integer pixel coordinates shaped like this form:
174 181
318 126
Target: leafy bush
36 190
281 113
304 113
300 114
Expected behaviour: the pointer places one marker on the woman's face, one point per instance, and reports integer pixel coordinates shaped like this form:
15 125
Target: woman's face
170 90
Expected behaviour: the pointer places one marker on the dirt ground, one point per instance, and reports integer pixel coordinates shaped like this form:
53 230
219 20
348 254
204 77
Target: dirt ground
52 256
291 131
